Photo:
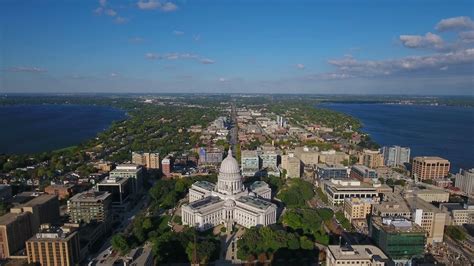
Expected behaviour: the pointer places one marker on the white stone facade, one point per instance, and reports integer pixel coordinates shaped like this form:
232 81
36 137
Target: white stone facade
228 202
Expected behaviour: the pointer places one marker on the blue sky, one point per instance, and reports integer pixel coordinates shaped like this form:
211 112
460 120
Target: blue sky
356 47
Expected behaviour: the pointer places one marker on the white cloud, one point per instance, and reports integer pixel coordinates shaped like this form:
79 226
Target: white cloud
178 56
197 37
25 69
169 7
207 61
99 10
222 79
110 12
156 4
148 5
429 40
102 2
121 20
455 23
300 66
350 67
178 33
467 36
113 75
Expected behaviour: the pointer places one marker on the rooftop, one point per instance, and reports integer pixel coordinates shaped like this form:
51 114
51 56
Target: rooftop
205 185
417 203
397 225
205 202
357 252
40 199
91 196
11 217
429 158
255 202
48 232
258 184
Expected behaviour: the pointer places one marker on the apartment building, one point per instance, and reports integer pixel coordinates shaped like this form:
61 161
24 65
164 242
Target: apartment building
430 168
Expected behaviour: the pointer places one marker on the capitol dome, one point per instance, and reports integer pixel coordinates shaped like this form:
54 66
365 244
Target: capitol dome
229 203
230 166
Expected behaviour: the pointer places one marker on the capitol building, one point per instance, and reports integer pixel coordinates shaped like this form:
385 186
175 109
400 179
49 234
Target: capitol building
229 202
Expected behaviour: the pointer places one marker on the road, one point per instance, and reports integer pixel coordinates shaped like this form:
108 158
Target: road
104 251
234 130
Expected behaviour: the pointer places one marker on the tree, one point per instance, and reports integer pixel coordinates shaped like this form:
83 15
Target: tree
204 251
455 232
120 244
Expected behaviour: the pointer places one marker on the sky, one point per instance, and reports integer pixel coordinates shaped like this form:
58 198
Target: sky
157 46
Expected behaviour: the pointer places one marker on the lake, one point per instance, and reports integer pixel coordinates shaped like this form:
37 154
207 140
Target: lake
39 128
445 131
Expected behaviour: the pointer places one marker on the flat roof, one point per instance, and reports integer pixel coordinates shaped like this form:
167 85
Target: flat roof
397 225
37 200
417 203
258 184
91 196
205 185
255 202
202 203
429 158
10 217
357 252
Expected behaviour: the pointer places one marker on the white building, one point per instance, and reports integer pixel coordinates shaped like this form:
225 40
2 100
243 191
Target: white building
366 255
465 181
396 155
228 202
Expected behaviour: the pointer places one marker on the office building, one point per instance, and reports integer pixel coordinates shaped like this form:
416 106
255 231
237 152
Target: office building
24 219
132 171
119 188
250 162
308 156
363 173
357 208
166 166
458 213
393 206
149 160
401 239
338 190
359 255
228 202
292 165
270 162
90 206
326 172
430 218
212 156
464 180
371 158
429 168
396 155
45 209
54 246
281 121
15 229
429 195
333 157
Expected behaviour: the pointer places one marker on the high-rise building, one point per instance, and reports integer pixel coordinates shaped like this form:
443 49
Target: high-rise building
464 180
212 156
292 165
396 155
149 160
54 246
308 156
430 218
90 206
357 208
45 209
166 166
372 159
401 239
327 172
132 171
120 189
459 214
358 255
430 168
24 220
363 173
250 163
337 190
15 229
270 162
